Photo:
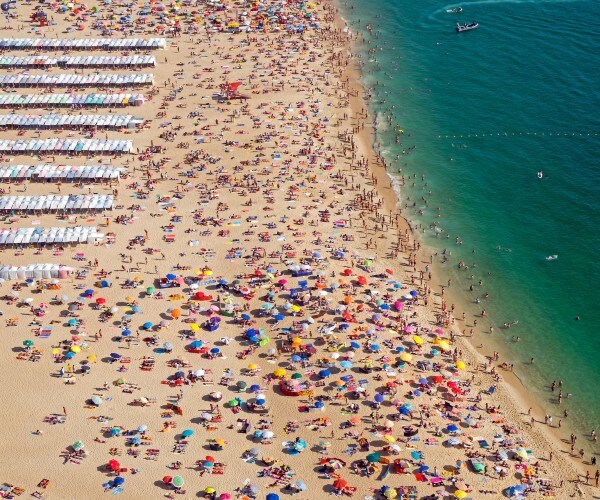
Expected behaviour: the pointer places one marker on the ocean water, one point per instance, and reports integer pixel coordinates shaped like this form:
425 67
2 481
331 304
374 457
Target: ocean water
482 112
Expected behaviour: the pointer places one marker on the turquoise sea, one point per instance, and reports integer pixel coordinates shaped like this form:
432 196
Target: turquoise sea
482 113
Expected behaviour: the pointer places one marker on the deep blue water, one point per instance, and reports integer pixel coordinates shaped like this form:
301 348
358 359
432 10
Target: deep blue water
486 110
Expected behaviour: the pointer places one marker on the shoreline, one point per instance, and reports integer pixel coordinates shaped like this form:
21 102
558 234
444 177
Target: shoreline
513 387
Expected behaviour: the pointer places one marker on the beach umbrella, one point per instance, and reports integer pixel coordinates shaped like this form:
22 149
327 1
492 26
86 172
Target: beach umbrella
460 365
187 433
378 398
453 441
115 355
415 455
114 465
177 481
126 333
28 343
389 438
142 428
390 493
272 496
373 457
296 376
167 479
301 486
97 400
115 431
78 445
147 325
118 481
460 494
70 355
406 357
452 428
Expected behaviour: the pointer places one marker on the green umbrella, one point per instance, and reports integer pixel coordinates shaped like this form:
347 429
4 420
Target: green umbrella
373 457
177 481
297 376
150 290
78 445
241 385
28 343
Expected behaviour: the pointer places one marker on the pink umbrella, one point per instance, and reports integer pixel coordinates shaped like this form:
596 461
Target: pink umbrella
439 331
399 306
214 308
408 329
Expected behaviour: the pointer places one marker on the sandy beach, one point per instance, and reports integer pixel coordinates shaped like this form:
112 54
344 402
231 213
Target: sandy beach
254 317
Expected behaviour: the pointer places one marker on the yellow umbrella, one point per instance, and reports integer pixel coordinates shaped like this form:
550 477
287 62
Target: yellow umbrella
404 356
55 351
389 438
208 272
75 349
252 366
460 365
417 340
220 442
443 345
194 327
295 308
390 493
92 357
460 494
279 372
296 341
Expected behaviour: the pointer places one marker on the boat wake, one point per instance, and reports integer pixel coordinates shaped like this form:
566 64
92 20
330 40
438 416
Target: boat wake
465 5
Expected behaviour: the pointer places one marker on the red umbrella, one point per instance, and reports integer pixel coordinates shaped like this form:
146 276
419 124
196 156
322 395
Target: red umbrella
100 300
362 280
208 458
438 379
347 272
114 465
167 479
389 271
339 484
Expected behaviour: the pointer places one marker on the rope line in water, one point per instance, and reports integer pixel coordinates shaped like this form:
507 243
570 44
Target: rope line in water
506 134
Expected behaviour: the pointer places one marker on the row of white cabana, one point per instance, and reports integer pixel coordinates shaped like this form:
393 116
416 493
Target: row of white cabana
50 235
61 121
66 146
83 43
35 271
57 203
136 61
55 173
74 80
70 100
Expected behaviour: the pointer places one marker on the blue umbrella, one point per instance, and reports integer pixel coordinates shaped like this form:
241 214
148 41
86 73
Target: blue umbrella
272 496
423 381
136 440
223 282
69 355
319 404
375 347
215 350
88 292
384 307
324 373
171 276
187 433
118 481
115 355
115 431
346 364
260 401
452 428
104 284
296 358
126 333
254 388
196 344
147 325
136 309
417 392
379 398
301 486
344 326
414 293
355 345
72 322
246 317
86 368
278 317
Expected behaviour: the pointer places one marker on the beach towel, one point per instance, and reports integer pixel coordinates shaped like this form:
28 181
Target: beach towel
483 443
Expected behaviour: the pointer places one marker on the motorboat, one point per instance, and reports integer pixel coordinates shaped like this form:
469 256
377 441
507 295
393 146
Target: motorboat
455 10
466 27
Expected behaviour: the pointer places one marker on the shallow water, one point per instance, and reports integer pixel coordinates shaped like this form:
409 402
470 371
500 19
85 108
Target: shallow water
486 110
